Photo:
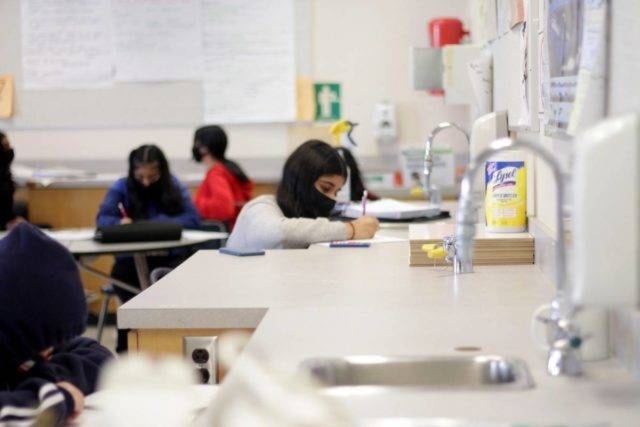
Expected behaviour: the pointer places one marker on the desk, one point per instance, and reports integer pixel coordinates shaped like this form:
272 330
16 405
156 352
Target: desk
82 247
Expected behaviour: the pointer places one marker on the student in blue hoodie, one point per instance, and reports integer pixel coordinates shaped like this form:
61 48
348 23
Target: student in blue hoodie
149 192
46 368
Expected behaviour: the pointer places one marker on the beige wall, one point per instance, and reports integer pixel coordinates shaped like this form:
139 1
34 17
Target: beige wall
364 44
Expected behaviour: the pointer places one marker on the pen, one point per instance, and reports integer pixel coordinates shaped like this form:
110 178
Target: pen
365 195
123 212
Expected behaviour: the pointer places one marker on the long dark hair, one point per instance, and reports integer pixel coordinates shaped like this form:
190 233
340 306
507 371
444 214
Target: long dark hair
355 176
164 193
214 139
302 169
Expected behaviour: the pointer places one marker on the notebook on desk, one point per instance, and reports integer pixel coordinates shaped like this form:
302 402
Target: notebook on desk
390 209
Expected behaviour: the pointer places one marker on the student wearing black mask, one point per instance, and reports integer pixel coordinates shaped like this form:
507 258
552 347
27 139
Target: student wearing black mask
149 192
8 218
226 188
297 216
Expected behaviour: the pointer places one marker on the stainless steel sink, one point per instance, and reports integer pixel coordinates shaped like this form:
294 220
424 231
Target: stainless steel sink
449 372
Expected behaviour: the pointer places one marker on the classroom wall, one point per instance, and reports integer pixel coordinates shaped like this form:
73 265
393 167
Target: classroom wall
363 44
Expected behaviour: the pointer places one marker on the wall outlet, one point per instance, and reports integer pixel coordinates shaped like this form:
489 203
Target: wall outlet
202 352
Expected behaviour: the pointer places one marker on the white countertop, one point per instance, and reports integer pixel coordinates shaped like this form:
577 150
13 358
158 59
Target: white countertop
337 302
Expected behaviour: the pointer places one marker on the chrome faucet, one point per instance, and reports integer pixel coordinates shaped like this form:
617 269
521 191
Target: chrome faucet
431 191
562 334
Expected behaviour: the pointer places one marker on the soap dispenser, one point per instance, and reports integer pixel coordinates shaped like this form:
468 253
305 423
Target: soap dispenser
606 220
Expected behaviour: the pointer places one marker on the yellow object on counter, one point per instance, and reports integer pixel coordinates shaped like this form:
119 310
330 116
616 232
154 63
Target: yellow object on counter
416 192
434 251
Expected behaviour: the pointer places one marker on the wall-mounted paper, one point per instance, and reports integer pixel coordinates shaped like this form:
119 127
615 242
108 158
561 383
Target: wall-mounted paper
510 77
481 76
65 43
563 41
457 85
503 13
589 103
6 96
249 61
517 14
305 102
157 41
485 21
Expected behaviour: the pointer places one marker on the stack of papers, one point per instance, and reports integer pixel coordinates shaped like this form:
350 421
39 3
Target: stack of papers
392 209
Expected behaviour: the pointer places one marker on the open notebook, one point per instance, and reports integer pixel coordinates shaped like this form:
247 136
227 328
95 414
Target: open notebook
392 209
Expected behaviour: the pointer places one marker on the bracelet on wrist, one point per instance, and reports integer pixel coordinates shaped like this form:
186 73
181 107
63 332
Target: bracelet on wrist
353 230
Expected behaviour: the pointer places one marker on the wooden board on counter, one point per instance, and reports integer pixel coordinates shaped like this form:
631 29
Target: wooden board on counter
489 248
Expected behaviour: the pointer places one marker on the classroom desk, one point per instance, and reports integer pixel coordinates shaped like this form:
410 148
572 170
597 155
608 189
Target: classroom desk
85 249
369 301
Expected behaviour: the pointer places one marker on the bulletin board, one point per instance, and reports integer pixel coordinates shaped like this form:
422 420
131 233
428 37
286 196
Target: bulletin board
120 104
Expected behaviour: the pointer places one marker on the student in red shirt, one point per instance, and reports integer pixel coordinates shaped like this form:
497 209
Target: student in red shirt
226 188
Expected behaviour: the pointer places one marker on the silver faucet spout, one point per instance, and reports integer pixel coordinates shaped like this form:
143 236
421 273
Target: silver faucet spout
428 156
563 358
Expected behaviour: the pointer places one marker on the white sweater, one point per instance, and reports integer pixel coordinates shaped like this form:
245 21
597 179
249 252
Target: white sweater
262 225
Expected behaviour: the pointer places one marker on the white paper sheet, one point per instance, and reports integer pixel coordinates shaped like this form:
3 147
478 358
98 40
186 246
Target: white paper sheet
71 234
392 209
65 43
589 103
249 61
200 235
563 49
486 20
157 41
510 78
481 76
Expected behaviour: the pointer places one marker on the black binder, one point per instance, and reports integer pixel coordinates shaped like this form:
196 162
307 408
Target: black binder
140 231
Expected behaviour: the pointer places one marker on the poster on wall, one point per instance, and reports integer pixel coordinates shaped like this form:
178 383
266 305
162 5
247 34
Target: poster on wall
66 43
563 45
155 42
589 105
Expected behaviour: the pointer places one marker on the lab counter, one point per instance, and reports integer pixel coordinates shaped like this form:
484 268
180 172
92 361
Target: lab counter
368 301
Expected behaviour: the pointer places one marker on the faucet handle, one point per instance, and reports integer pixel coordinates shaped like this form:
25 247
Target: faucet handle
563 341
564 356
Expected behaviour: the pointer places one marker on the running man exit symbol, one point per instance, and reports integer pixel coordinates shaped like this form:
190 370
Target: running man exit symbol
327 101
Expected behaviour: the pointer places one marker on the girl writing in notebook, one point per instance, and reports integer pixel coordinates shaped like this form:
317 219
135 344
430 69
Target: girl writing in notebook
149 192
226 188
298 215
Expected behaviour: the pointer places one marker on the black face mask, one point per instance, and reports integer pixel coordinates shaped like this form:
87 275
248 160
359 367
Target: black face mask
6 157
197 155
321 205
151 193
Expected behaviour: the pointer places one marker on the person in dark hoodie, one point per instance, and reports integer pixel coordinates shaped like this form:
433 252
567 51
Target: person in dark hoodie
46 368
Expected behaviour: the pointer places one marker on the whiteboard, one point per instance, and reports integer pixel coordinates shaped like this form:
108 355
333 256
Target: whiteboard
123 105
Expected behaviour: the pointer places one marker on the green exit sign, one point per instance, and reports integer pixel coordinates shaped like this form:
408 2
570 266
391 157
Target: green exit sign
327 97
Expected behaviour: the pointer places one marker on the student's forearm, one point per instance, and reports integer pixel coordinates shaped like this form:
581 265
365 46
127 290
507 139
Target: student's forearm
304 231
